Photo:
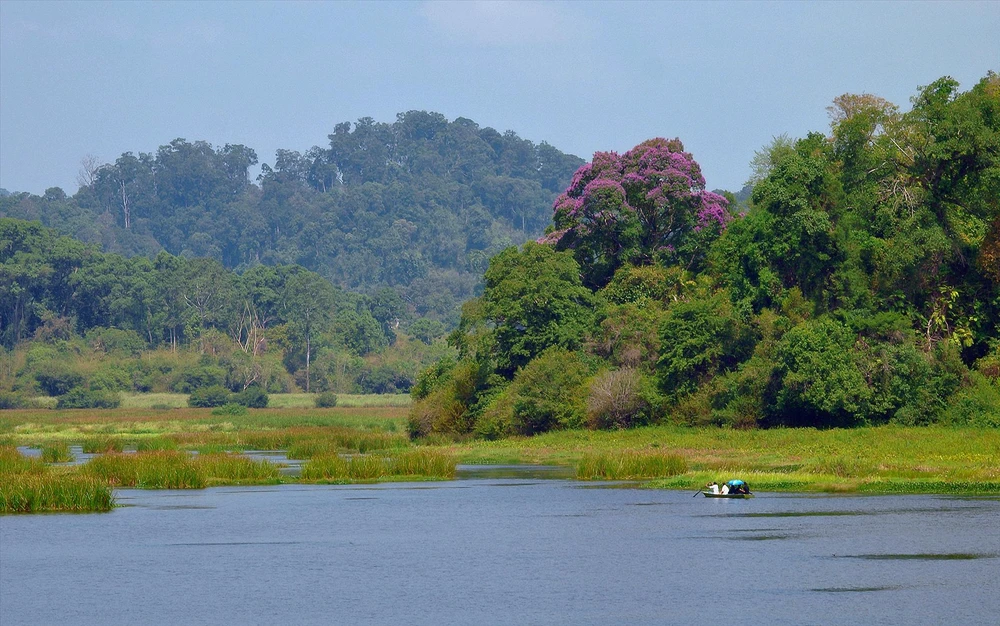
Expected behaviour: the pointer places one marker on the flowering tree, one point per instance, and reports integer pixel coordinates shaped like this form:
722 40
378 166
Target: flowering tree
647 204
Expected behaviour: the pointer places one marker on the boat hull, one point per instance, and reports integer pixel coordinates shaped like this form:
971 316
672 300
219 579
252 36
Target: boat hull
738 496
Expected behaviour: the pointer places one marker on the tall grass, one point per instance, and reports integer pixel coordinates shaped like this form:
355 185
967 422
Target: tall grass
13 462
371 467
102 443
166 469
57 452
28 486
427 463
630 465
147 470
235 469
36 493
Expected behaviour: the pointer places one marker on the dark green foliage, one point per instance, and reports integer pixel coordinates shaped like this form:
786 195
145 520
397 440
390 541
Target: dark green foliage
700 339
535 300
230 408
80 398
549 393
253 397
57 377
407 206
10 400
326 400
820 381
215 395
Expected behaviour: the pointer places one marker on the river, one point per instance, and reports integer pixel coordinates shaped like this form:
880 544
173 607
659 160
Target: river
490 549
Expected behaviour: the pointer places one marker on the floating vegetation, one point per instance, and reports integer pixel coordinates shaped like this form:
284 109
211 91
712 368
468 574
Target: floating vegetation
630 465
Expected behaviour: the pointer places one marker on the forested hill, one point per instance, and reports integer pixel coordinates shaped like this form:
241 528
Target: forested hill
419 205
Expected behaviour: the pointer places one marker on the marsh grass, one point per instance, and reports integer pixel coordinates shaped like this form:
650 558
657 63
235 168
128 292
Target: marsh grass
101 444
57 452
147 470
630 465
147 444
235 469
13 462
373 467
428 463
167 469
47 492
29 486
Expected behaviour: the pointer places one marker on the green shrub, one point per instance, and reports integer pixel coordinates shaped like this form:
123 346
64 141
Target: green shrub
252 397
110 378
550 392
212 396
114 340
976 405
57 377
11 400
231 408
326 400
80 398
200 377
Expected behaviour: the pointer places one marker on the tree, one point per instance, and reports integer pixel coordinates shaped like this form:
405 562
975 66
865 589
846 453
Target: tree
535 300
308 305
647 204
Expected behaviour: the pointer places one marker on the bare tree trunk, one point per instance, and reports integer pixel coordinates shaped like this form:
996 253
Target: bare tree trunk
126 210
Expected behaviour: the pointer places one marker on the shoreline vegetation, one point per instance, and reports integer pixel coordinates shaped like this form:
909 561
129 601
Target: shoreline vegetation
193 449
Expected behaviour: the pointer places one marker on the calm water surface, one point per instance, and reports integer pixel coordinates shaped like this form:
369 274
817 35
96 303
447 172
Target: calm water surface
498 550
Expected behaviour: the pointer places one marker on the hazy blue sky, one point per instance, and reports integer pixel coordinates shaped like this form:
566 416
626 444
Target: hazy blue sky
100 78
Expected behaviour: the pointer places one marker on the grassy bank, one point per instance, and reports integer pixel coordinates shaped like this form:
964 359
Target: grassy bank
878 460
884 459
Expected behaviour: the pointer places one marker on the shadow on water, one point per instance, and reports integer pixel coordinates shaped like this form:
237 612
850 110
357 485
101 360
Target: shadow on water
856 589
945 556
531 472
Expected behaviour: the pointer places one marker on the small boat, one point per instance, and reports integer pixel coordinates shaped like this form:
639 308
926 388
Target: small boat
709 494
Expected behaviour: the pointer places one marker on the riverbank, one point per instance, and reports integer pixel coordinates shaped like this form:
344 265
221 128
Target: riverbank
885 459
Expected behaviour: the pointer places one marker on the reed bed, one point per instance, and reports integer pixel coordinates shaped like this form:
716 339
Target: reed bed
38 493
13 462
235 469
147 470
102 444
630 465
371 467
148 444
167 469
423 463
57 452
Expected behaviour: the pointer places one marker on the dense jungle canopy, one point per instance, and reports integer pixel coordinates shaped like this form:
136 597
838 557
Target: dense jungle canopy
418 205
861 286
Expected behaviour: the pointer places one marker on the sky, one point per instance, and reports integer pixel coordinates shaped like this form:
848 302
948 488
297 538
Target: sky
104 78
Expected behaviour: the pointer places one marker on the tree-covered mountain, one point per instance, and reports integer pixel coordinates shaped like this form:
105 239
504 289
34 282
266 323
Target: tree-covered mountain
861 286
73 316
418 205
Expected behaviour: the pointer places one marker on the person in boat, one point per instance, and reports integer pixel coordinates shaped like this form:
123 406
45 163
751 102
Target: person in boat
713 487
725 489
736 486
